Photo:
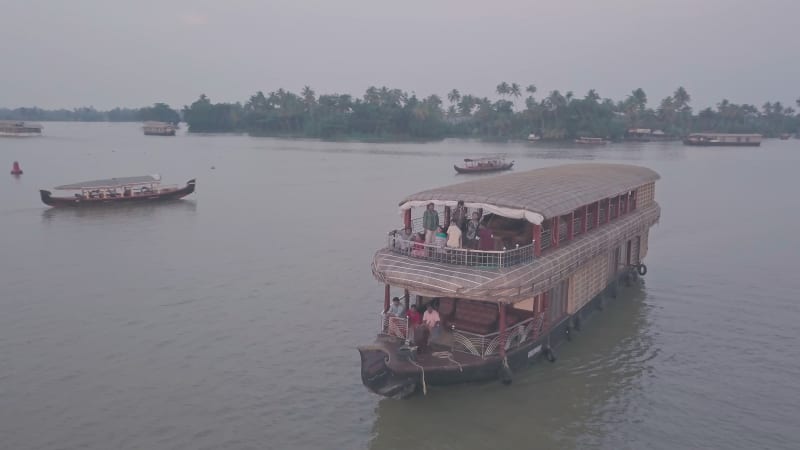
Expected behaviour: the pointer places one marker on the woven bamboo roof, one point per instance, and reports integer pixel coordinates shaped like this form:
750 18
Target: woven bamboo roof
111 183
549 191
510 284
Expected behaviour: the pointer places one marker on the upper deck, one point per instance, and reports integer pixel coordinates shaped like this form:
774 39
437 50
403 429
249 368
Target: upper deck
534 222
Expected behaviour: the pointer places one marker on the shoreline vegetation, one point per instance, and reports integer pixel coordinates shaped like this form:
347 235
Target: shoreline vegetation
385 115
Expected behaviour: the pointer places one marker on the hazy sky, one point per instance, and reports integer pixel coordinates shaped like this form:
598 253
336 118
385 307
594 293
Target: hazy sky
106 53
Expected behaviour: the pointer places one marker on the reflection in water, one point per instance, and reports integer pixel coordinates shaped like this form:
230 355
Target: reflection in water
119 211
592 380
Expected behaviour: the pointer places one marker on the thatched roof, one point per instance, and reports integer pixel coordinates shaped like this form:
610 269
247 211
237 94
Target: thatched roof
111 183
509 284
548 192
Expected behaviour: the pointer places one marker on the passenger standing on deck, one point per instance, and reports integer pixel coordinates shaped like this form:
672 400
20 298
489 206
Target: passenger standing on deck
472 230
430 221
397 309
432 321
460 216
454 235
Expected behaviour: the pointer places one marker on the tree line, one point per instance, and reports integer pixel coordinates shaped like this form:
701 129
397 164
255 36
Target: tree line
159 112
393 114
385 113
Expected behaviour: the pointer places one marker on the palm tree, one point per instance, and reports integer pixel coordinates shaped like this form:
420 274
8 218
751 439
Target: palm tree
454 96
503 89
592 96
515 90
681 98
532 89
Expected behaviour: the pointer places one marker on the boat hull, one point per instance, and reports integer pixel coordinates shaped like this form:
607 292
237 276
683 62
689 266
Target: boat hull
506 166
160 133
57 202
720 144
18 134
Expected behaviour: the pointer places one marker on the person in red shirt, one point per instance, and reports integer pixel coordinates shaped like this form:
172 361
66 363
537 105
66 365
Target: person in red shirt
414 319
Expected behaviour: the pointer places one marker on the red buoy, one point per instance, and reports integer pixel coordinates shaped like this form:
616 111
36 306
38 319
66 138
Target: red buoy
16 170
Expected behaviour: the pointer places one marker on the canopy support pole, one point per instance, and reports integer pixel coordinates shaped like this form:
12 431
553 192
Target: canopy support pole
386 294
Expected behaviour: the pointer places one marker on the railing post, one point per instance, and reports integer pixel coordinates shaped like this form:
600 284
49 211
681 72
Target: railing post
619 205
503 336
406 297
585 221
537 240
555 232
632 201
597 215
386 298
571 226
407 218
608 211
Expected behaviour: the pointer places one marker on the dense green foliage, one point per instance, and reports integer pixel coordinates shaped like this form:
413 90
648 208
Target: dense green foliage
384 113
158 112
392 114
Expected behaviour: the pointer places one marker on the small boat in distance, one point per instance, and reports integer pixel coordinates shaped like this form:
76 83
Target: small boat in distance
723 139
485 164
145 188
159 129
533 137
17 128
785 136
590 141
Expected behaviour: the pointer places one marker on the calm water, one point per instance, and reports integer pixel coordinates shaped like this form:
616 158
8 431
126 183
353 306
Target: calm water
230 320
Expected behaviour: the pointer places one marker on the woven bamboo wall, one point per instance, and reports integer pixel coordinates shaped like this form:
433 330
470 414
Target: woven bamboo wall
643 244
587 282
645 195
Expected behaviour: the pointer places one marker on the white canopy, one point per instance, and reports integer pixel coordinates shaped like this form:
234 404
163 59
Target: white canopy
511 213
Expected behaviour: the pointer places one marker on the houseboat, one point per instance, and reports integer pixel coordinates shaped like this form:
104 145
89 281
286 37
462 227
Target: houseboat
590 141
159 129
15 128
548 244
486 164
147 188
723 139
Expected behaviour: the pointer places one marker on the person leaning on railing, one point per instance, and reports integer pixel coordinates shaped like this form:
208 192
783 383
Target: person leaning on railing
472 230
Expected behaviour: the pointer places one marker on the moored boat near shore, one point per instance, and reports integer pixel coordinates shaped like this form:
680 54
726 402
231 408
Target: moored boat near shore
16 128
485 164
540 251
159 129
126 190
723 139
590 141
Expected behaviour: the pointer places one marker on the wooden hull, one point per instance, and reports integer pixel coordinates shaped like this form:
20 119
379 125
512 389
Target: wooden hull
506 166
386 372
720 144
49 200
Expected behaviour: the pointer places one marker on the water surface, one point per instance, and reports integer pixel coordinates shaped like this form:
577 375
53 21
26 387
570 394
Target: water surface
230 320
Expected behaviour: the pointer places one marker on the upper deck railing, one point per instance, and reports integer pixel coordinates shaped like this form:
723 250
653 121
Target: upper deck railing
459 256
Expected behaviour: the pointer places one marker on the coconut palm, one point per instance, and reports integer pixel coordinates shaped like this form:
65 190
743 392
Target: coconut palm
503 89
454 96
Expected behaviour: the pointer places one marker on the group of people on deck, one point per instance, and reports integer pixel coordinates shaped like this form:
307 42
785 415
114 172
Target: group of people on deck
420 327
461 232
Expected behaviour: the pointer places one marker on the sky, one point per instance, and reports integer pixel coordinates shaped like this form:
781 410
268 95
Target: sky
108 53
